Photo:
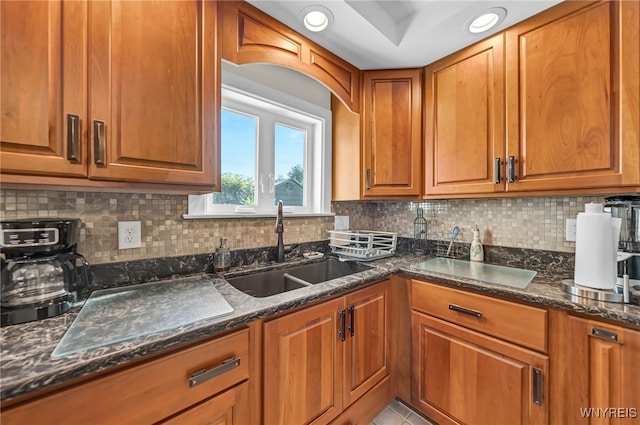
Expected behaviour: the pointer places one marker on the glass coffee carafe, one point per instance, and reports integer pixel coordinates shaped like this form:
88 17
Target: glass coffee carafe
41 272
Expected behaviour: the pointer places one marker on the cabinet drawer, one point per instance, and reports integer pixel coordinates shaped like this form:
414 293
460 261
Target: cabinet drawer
517 323
145 393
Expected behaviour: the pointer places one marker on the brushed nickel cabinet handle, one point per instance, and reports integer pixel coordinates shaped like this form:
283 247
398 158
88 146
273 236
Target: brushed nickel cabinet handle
496 171
367 183
341 324
511 169
537 386
464 310
204 375
98 142
601 333
352 321
73 137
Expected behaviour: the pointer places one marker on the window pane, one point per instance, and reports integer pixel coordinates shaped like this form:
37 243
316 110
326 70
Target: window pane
238 159
289 165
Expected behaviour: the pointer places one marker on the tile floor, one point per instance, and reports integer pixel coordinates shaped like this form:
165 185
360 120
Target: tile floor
396 413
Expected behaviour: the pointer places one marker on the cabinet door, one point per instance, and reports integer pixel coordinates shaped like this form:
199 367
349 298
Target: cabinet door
464 104
603 383
303 366
43 87
572 97
251 36
154 73
392 153
460 376
228 408
367 345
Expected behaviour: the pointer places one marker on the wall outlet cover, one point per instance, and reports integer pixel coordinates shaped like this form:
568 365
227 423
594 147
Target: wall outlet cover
570 230
129 235
341 222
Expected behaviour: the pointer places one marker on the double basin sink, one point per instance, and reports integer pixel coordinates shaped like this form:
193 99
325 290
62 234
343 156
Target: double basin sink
273 282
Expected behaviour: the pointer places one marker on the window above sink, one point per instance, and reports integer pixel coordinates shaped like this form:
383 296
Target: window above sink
274 146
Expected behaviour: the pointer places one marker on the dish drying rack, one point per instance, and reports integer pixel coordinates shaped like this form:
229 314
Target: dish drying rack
362 245
440 247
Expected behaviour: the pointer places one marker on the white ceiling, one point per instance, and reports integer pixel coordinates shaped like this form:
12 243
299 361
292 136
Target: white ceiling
379 34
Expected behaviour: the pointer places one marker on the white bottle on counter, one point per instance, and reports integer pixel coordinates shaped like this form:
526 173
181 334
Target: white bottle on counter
476 252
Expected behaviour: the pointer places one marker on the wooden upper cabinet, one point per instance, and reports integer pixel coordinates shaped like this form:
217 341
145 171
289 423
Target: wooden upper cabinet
392 145
43 86
154 81
572 97
250 36
464 120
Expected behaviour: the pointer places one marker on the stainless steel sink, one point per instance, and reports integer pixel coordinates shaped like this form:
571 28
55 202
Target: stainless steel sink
273 282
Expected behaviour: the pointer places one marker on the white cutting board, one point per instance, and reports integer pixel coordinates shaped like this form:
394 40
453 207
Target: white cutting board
487 273
120 314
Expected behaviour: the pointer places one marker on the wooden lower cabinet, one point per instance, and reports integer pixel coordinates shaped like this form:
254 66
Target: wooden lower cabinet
153 391
596 372
319 360
228 408
463 377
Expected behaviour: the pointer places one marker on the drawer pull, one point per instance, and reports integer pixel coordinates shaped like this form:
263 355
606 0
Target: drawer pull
204 375
98 142
537 386
468 311
367 183
601 333
73 137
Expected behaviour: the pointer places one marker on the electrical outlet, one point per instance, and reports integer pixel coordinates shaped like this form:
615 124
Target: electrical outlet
129 234
341 222
570 229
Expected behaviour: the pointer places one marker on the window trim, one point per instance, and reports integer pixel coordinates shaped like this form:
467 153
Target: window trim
319 180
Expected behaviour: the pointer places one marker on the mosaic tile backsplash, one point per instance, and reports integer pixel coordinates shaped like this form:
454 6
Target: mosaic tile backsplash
164 231
535 223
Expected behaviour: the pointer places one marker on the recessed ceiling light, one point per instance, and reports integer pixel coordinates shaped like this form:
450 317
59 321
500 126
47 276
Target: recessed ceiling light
486 20
316 18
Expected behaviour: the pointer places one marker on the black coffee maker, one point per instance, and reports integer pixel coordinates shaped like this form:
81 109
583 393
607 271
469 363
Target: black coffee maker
41 270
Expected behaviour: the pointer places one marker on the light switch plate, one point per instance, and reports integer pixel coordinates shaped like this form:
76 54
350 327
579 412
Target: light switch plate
570 230
341 222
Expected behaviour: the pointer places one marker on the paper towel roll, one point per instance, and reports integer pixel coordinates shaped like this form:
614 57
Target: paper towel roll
597 235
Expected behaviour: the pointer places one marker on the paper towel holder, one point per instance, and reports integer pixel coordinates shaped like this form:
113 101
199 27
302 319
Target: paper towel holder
606 295
615 295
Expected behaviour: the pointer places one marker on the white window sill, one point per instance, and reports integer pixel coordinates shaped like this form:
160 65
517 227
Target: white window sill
252 215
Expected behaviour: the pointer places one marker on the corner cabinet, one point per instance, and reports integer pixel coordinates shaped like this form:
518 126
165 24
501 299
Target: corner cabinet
126 91
572 98
318 361
595 365
392 133
472 361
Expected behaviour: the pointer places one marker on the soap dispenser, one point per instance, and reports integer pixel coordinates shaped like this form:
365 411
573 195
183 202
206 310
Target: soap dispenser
222 259
476 251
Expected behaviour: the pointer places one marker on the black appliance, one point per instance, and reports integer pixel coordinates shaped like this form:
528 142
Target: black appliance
41 270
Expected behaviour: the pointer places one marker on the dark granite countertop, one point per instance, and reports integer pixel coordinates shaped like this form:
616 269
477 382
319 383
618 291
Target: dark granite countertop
27 366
